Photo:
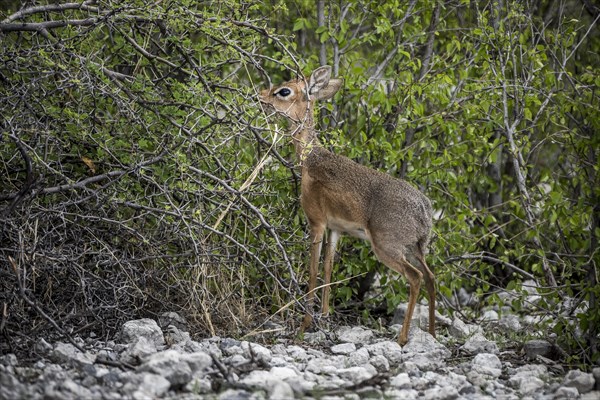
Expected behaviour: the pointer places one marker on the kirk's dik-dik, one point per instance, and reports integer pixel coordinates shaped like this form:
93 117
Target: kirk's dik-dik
346 197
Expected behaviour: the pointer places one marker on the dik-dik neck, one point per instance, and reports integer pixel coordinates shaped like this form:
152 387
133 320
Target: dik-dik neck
305 138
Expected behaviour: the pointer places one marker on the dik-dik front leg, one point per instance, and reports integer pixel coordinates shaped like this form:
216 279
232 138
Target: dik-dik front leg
332 241
316 236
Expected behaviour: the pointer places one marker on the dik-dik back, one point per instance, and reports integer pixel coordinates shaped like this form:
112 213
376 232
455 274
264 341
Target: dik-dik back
346 197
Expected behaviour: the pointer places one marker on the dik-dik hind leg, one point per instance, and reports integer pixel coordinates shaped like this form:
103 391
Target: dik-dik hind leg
430 287
396 261
332 241
414 276
316 243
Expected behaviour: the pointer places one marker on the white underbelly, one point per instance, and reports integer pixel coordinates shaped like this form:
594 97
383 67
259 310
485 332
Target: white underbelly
349 227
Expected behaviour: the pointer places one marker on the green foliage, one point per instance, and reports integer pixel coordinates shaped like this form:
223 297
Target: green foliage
145 141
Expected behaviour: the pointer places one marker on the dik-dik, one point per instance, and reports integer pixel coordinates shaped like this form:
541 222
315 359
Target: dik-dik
346 197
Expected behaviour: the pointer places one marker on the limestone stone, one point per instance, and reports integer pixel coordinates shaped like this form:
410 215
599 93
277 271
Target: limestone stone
343 348
584 382
146 327
355 334
390 350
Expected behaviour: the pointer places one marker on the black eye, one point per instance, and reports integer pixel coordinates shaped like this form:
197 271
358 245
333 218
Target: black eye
284 92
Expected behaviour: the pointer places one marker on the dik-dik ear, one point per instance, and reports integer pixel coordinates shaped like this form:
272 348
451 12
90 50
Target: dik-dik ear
320 84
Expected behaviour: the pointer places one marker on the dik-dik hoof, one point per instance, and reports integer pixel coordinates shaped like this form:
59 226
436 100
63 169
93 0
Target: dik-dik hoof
305 323
402 341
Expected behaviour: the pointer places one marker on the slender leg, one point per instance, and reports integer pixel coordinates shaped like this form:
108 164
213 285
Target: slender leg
394 259
316 235
414 277
430 286
334 236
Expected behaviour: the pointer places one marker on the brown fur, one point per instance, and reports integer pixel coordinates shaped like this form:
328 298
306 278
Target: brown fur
346 197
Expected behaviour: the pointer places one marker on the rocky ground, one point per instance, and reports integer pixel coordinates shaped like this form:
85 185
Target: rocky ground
148 362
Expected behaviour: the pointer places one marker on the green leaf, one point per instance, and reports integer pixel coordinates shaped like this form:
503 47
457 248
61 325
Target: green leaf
299 24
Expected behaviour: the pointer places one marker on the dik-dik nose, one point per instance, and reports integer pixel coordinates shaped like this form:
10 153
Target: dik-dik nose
263 96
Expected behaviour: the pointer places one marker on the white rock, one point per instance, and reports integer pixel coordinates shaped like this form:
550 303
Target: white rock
258 378
235 394
404 394
487 364
315 353
279 350
343 348
594 395
208 346
460 382
390 350
596 373
584 382
441 393
479 380
530 286
199 385
359 357
188 346
231 347
420 317
256 352
425 362
510 323
66 353
357 375
565 392
151 386
401 381
42 347
526 373
236 360
280 390
283 373
170 364
460 330
421 342
332 382
327 365
479 344
198 361
355 334
465 298
142 327
302 384
11 387
278 361
315 337
380 363
531 385
490 315
137 350
76 390
297 353
420 383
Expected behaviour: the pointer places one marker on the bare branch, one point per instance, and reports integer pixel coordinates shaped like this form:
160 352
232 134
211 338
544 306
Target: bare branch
44 26
489 258
50 8
428 52
29 177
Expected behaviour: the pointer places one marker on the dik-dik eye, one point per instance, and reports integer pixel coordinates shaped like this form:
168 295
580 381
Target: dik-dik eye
283 92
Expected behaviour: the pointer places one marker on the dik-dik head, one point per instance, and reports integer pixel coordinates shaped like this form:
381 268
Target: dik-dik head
295 98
